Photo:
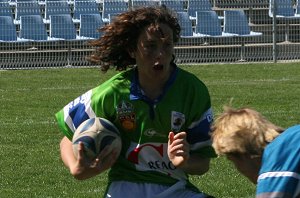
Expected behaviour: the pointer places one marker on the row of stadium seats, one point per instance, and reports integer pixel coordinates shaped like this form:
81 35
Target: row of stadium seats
50 7
208 24
32 28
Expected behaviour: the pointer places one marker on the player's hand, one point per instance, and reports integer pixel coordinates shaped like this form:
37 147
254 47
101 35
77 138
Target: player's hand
85 168
178 149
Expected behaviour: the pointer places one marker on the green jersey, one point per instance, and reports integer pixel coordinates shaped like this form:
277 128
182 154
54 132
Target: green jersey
144 124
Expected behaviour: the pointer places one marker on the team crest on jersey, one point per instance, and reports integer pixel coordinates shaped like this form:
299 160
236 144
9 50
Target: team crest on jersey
177 121
126 115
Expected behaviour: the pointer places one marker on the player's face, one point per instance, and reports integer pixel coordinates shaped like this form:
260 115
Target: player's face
154 52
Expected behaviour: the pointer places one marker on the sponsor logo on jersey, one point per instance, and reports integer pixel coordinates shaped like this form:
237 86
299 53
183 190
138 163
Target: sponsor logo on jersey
152 132
177 121
153 157
126 115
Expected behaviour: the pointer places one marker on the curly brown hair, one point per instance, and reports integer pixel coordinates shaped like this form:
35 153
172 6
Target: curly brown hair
121 35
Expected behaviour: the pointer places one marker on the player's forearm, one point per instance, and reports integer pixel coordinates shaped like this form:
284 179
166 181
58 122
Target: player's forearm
196 165
66 152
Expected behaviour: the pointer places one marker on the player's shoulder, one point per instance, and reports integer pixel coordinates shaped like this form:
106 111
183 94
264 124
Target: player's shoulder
287 137
189 78
120 79
117 84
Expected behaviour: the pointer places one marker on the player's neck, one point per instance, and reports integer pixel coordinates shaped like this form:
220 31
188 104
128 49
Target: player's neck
152 91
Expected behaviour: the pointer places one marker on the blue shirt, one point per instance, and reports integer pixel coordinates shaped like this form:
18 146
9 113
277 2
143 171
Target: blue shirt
279 175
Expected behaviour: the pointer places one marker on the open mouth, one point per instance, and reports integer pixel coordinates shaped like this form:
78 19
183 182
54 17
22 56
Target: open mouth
158 67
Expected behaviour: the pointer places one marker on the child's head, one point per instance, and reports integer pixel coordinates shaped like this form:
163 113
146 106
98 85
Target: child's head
242 131
122 34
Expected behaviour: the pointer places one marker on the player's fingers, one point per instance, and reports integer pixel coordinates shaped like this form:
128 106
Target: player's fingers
180 135
80 151
171 137
107 161
101 158
105 151
178 148
178 141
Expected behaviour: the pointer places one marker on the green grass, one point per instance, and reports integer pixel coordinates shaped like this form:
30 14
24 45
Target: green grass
29 149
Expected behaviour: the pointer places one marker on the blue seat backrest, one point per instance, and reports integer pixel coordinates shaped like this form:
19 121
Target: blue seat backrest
5 9
283 7
7 29
185 24
236 22
62 26
32 27
198 5
113 7
25 1
56 8
297 7
207 22
144 3
85 7
89 25
27 8
176 5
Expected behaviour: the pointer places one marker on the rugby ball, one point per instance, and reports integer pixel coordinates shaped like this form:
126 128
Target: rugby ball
95 134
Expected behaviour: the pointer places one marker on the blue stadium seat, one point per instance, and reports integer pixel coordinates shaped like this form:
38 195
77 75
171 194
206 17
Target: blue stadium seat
56 8
32 27
84 7
62 26
143 3
208 24
297 13
8 31
89 25
176 5
284 12
113 7
284 8
236 22
26 8
185 24
25 1
198 5
5 9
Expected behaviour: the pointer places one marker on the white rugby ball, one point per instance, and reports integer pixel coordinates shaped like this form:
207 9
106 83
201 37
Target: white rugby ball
96 134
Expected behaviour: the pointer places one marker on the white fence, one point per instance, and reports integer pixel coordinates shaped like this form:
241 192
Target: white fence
37 33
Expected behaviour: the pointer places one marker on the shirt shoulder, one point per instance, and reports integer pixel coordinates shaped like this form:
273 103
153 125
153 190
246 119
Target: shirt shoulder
280 152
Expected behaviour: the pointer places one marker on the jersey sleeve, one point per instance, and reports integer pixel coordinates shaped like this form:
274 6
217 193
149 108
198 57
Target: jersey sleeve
97 102
199 135
74 113
202 117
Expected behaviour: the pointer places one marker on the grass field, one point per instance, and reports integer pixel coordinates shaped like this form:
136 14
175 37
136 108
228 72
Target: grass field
29 149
